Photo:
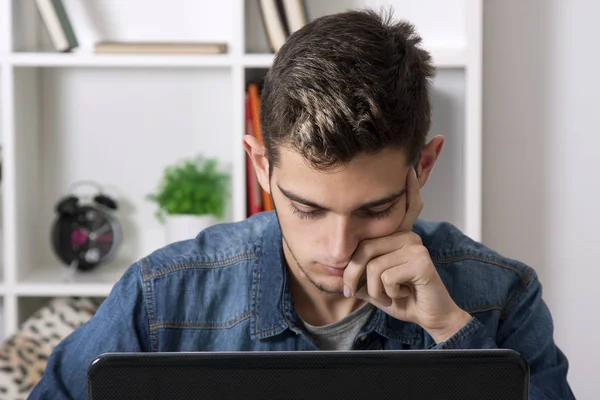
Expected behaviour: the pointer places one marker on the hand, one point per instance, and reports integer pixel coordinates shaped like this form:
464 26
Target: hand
401 278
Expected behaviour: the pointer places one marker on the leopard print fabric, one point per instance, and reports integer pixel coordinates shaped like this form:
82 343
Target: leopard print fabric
24 355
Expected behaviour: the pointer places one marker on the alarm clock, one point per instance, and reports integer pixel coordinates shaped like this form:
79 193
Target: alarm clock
85 233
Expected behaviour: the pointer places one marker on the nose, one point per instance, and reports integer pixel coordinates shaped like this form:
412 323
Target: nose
342 240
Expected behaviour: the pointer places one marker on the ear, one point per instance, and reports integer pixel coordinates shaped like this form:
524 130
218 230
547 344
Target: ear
429 155
256 152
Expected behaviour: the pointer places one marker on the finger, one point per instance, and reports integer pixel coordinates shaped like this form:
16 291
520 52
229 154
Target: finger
374 284
397 291
364 295
414 202
367 250
376 268
397 281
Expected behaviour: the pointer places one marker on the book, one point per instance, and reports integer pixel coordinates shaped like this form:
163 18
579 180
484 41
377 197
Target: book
58 25
274 23
253 188
161 47
254 96
295 14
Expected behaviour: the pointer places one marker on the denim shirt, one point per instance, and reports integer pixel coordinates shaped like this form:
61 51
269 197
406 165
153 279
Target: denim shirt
226 290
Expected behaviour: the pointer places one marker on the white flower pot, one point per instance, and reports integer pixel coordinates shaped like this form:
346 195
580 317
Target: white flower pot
182 227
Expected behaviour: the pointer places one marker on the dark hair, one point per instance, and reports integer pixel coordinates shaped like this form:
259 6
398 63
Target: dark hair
345 84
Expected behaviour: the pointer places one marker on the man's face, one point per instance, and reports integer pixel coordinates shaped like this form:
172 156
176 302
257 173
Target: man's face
325 215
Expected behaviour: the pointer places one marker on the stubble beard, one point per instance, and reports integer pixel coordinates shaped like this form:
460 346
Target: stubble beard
319 286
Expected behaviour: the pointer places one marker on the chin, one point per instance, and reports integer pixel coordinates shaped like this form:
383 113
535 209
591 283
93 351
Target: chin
326 284
329 289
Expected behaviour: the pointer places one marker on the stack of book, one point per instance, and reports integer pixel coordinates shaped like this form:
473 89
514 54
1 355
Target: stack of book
258 200
58 25
62 35
281 18
160 47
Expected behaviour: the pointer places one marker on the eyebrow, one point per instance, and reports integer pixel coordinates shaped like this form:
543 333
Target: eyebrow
370 204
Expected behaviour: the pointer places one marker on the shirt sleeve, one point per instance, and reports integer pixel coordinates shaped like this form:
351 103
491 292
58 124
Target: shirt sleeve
119 324
528 329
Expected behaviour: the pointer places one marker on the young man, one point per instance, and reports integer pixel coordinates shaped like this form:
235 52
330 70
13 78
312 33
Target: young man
343 262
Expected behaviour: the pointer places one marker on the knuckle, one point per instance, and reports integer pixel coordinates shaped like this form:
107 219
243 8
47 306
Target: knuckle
415 238
419 253
387 279
422 251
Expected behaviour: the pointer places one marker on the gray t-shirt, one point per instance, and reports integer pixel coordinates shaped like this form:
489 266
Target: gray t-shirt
340 335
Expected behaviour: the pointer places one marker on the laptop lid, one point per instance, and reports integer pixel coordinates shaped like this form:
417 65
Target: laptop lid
345 375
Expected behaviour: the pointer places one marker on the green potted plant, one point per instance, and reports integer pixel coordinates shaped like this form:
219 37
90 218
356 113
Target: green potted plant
191 196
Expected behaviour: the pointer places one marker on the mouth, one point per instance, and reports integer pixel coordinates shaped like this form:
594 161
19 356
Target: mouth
333 270
336 266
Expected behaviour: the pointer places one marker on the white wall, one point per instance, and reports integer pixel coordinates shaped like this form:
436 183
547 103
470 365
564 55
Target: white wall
540 180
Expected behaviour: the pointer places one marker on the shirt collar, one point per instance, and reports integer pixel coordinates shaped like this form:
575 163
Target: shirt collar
272 303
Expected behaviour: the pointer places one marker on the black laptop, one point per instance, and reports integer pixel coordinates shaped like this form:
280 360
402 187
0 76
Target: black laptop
311 375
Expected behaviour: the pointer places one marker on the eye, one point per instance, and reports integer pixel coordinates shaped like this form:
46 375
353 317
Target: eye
304 214
380 214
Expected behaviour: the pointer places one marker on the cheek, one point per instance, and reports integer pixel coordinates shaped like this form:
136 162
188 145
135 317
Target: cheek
377 228
302 232
305 237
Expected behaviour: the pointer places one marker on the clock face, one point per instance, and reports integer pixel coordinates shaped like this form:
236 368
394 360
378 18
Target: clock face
88 237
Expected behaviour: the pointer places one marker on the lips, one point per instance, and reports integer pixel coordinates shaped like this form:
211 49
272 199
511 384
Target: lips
336 271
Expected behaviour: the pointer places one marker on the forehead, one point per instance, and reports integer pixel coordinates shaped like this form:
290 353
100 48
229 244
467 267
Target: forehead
365 178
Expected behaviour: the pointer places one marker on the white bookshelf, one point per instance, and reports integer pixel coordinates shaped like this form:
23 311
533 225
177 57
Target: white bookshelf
119 119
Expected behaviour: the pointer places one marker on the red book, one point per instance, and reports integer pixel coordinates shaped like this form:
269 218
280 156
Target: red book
254 97
254 197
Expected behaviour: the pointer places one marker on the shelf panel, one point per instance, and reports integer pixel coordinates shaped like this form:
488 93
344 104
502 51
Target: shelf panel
443 58
57 280
66 290
258 60
118 60
449 58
